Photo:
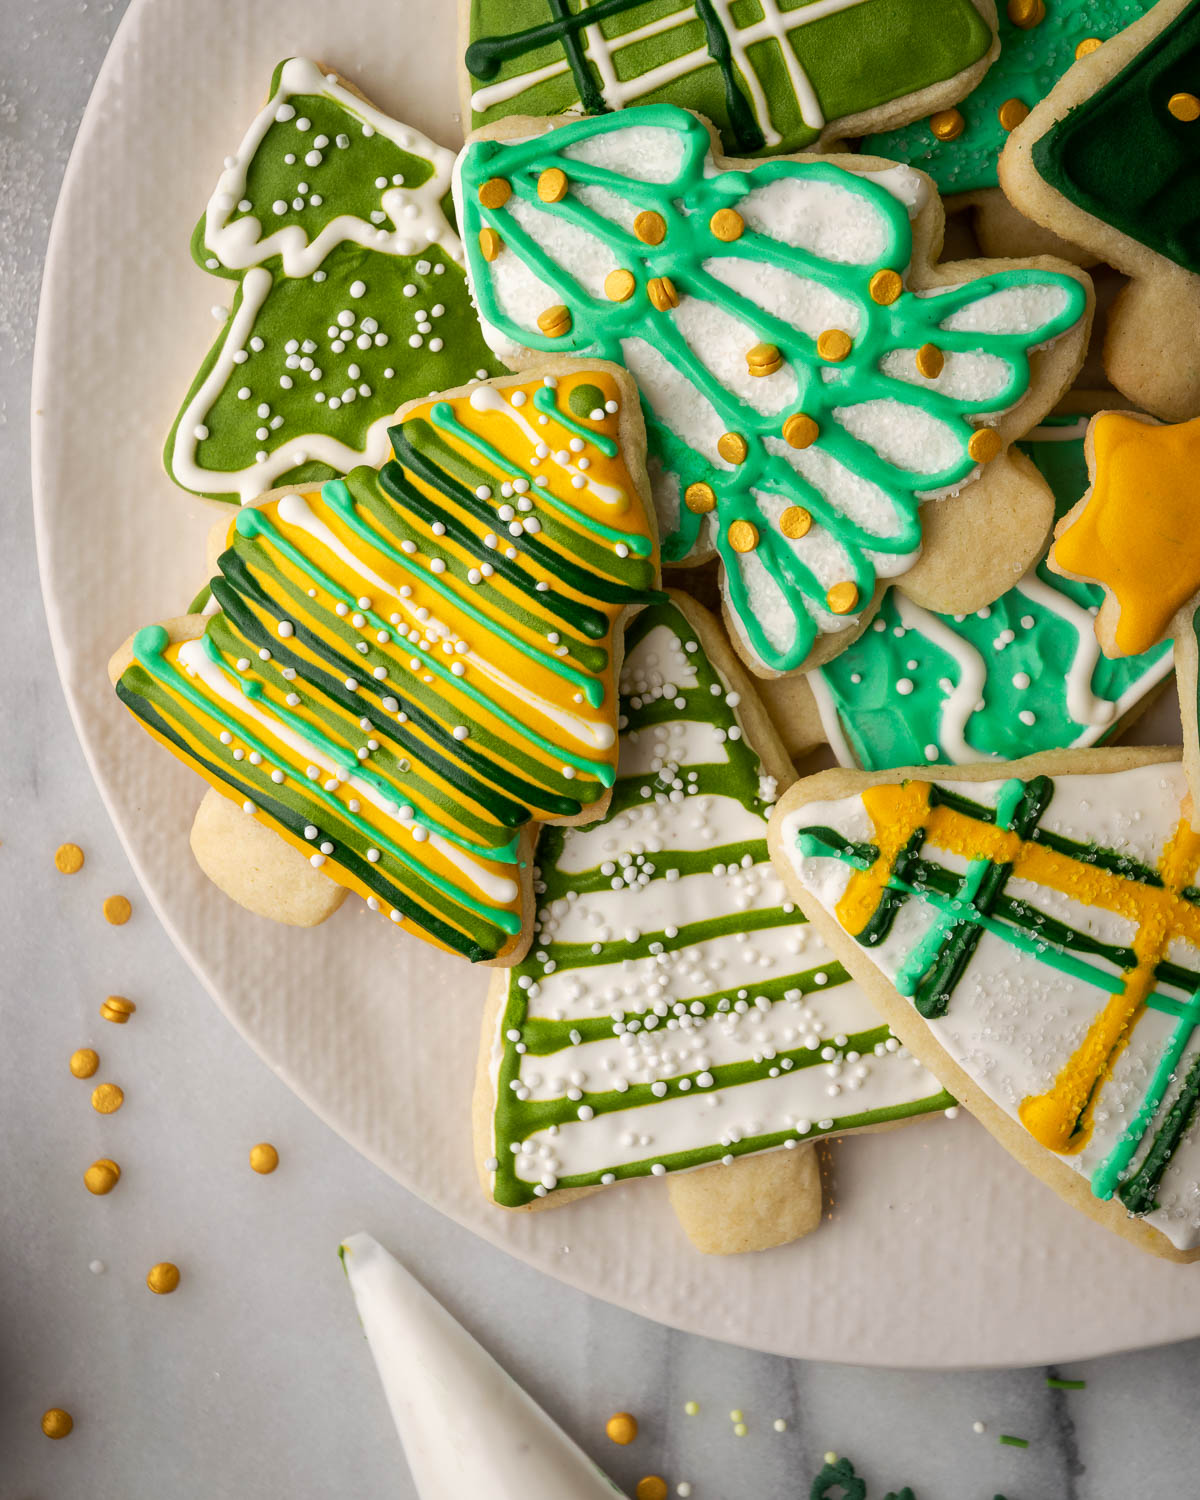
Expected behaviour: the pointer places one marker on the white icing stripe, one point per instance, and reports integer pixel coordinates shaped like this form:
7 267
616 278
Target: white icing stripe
831 723
488 398
238 244
1082 704
959 705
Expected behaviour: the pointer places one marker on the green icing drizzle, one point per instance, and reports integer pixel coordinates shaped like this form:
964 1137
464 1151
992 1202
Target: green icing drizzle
761 487
1123 157
1032 60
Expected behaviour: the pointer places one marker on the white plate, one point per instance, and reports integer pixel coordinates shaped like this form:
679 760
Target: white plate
938 1249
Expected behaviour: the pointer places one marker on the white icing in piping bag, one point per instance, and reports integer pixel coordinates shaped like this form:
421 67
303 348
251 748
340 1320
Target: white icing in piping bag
467 1427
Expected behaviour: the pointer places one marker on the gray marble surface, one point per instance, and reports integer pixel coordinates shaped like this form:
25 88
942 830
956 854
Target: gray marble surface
253 1380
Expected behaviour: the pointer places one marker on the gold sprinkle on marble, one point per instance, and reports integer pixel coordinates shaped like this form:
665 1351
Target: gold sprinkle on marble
795 522
69 860
84 1062
1086 47
162 1278
622 1427
117 910
1012 112
1185 107
947 124
732 447
800 430
263 1158
555 321
490 243
743 536
652 1487
985 444
842 597
650 227
102 1176
117 1009
930 361
662 293
727 224
834 345
495 192
700 498
107 1098
619 285
57 1423
886 286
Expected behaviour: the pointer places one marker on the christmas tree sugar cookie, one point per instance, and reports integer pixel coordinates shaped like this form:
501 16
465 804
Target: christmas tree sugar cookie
772 77
350 300
959 147
1031 931
809 377
675 1009
1111 159
1020 675
411 665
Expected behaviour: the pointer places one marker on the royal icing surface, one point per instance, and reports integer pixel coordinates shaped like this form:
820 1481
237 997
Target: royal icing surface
1021 675
1136 533
1049 934
959 148
351 298
769 76
1130 153
408 665
675 1007
778 352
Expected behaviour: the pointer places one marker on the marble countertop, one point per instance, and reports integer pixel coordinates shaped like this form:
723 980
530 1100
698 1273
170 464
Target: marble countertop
253 1379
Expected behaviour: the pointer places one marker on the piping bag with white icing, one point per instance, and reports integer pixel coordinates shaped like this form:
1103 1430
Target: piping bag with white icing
468 1429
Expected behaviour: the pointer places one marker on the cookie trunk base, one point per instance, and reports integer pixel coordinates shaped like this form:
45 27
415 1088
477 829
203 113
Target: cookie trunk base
756 1203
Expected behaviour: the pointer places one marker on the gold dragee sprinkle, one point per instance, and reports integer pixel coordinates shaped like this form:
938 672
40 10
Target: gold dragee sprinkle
555 321
834 345
732 447
69 858
263 1158
795 522
662 293
699 498
743 536
163 1278
886 286
727 224
57 1423
800 430
1012 112
947 124
102 1176
117 910
490 243
650 227
107 1098
1026 13
1086 47
842 597
763 359
552 185
495 192
985 445
84 1062
1185 107
619 285
117 1009
930 361
622 1427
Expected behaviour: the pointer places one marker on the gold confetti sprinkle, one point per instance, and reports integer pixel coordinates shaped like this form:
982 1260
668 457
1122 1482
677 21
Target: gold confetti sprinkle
57 1423
490 243
552 185
102 1176
834 345
107 1098
886 286
947 124
662 293
1026 13
84 1062
743 536
699 498
622 1427
1185 107
555 321
263 1158
985 444
1011 113
117 1009
727 224
763 359
842 597
117 910
495 192
795 522
619 285
930 361
1086 47
650 227
652 1487
69 859
732 447
800 430
162 1278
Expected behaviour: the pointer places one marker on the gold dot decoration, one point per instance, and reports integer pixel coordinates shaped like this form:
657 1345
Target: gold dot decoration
1026 13
834 345
763 359
743 536
163 1278
57 1423
117 910
985 445
732 447
842 597
490 243
800 430
117 1009
84 1062
619 285
930 361
886 286
555 321
552 185
101 1177
263 1158
1086 47
652 1487
68 859
107 1098
700 498
1012 112
495 192
727 224
1185 107
622 1428
795 522
662 293
650 227
947 124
